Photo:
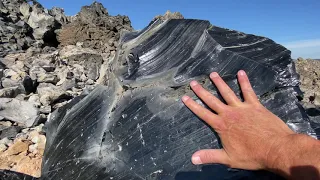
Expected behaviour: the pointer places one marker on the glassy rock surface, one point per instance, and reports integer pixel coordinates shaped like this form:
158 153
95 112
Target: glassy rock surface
136 127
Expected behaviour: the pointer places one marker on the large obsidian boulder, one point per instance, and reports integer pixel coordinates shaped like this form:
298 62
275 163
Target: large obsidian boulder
136 127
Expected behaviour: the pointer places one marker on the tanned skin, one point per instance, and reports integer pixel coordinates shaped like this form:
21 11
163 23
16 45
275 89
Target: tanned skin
253 138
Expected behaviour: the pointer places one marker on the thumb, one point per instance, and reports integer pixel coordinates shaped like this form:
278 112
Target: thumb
208 156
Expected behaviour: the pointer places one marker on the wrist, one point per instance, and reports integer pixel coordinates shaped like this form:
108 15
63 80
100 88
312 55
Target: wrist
289 152
277 157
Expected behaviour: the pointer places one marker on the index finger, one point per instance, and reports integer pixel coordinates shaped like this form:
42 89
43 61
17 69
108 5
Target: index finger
210 118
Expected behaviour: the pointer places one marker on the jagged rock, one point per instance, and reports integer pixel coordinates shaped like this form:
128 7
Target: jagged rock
90 62
50 93
7 83
45 109
68 84
3 9
27 112
11 92
15 159
14 32
25 10
40 75
3 147
22 97
4 143
42 25
58 14
35 99
24 154
9 73
309 71
90 82
169 15
94 27
5 123
9 132
85 64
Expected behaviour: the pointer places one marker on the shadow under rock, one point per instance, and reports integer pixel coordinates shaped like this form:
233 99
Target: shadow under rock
217 172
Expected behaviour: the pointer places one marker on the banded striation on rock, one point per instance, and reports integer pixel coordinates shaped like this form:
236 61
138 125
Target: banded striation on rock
136 127
112 108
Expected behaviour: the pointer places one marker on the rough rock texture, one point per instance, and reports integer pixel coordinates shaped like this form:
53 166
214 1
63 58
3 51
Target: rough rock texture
309 71
95 28
169 15
37 78
24 154
136 127
18 111
58 14
25 23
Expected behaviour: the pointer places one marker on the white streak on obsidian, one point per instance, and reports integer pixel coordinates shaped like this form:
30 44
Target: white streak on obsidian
146 132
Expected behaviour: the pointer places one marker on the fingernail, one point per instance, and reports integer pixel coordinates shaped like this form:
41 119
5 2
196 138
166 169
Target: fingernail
196 160
242 73
185 98
214 75
193 83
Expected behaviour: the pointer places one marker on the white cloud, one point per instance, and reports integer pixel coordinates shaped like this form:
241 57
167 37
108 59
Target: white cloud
304 48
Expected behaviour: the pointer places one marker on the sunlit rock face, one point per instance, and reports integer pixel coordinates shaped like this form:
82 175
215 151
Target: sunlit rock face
136 127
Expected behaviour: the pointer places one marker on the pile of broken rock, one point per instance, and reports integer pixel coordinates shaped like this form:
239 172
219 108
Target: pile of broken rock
38 75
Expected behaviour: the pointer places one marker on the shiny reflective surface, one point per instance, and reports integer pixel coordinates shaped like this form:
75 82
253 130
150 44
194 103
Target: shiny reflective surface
136 127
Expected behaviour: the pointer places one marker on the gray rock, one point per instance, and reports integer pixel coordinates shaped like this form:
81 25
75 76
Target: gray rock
3 9
42 24
5 141
90 82
8 73
3 147
48 78
11 92
5 123
35 99
45 109
7 82
25 10
68 84
50 93
36 71
49 67
90 63
42 76
22 97
18 111
58 14
9 132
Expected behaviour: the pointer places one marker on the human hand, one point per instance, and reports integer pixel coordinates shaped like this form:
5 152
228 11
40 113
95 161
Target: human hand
249 132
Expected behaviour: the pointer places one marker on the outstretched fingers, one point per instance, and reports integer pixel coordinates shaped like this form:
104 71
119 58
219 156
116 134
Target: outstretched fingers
225 91
203 113
214 103
246 88
209 156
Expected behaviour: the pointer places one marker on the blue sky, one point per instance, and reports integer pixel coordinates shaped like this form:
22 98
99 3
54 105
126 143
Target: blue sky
292 23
